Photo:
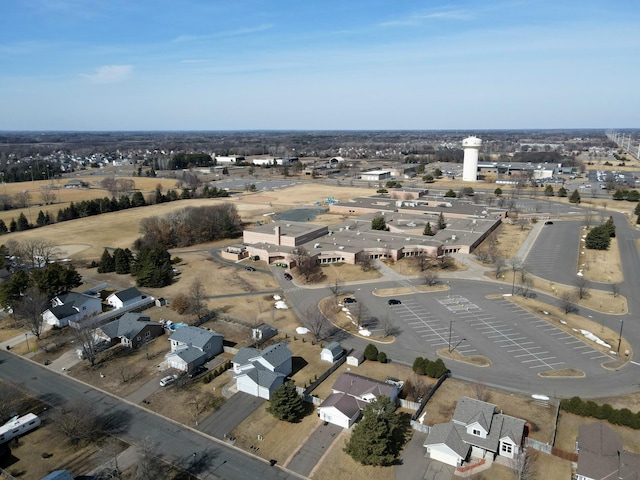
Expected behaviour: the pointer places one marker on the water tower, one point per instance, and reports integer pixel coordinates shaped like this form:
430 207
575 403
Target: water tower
471 146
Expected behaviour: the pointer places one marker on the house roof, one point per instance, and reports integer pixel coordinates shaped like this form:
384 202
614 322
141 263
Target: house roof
188 354
335 348
189 335
58 475
358 386
128 326
469 410
71 304
263 377
128 294
448 434
511 428
345 404
357 354
599 447
629 466
276 354
244 354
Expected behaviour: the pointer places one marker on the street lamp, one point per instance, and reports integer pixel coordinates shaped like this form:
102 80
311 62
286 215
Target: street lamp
26 337
450 325
620 335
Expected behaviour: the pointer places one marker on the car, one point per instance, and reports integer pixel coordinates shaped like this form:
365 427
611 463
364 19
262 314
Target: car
548 222
250 269
350 300
394 301
287 276
197 371
168 380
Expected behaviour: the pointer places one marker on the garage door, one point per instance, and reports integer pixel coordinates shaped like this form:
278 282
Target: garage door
444 457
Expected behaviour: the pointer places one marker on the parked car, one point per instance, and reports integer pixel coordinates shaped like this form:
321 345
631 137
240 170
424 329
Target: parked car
350 300
548 222
287 276
250 269
168 380
197 371
394 301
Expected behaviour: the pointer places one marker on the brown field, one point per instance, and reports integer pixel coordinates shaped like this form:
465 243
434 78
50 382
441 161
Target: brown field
569 423
602 265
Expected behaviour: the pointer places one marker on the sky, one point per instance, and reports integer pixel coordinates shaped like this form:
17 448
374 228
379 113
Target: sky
101 65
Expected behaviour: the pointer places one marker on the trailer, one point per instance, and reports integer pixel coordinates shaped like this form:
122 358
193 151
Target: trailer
18 426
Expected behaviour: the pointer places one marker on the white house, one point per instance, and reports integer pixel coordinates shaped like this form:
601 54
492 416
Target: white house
331 352
260 372
192 347
70 307
228 160
351 393
475 430
124 298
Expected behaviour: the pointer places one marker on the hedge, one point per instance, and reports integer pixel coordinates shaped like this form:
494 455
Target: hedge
589 408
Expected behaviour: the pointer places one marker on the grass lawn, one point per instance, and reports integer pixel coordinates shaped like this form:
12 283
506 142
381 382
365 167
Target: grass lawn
569 423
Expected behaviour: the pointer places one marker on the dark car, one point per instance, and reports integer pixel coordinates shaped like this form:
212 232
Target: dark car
549 222
197 371
287 276
250 269
350 300
394 301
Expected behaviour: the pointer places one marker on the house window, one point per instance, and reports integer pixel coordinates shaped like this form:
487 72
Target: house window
507 448
476 432
147 334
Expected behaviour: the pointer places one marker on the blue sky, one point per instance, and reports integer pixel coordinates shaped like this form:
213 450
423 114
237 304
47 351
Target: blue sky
310 65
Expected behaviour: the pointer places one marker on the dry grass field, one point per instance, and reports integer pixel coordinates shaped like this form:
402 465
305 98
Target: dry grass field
569 423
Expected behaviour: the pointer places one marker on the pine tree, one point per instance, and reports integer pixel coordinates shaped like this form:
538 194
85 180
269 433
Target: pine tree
137 200
575 197
13 226
379 436
23 223
610 227
442 223
122 259
428 230
107 263
378 223
152 267
41 220
371 352
286 404
3 228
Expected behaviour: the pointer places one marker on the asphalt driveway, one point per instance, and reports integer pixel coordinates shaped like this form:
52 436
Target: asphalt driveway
232 413
310 453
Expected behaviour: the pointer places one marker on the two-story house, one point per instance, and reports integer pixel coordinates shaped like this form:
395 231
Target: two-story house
130 330
350 394
192 347
71 307
260 372
475 430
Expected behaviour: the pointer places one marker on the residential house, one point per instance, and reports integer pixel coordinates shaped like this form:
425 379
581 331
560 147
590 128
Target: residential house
601 455
124 298
192 347
131 330
477 431
70 307
260 372
58 475
331 352
351 393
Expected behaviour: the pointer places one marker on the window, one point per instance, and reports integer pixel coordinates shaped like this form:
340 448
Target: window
147 334
476 432
507 448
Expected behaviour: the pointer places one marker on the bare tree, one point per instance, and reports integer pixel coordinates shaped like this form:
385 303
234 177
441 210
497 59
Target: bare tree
525 465
582 287
10 398
147 467
316 322
516 264
567 302
431 278
482 254
526 282
78 421
482 392
39 251
196 292
48 196
359 313
88 342
305 263
444 261
422 261
29 308
365 261
335 288
23 199
388 327
522 221
500 266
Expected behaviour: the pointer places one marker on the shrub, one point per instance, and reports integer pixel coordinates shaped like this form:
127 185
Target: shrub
382 357
371 352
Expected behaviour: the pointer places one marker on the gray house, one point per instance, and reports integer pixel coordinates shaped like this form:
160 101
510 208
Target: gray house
192 347
260 372
131 330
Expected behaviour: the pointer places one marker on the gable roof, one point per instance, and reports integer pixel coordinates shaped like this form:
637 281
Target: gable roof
263 377
448 434
189 335
345 404
275 354
598 450
358 386
128 294
469 410
188 354
71 304
244 355
128 326
511 428
629 466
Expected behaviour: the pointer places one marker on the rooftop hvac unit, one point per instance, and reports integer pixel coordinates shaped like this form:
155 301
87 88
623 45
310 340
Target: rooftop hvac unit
377 239
346 227
453 237
317 245
341 247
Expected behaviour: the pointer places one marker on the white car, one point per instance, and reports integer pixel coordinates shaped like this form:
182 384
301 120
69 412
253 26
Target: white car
168 380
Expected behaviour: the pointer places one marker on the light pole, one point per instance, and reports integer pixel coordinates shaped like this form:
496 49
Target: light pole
620 335
26 337
456 345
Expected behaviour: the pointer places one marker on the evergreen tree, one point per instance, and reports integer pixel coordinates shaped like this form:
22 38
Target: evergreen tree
13 226
159 197
450 194
382 357
152 267
3 228
13 289
610 227
185 195
378 223
371 352
137 200
41 220
428 230
548 191
636 210
442 223
418 366
286 404
598 238
379 436
124 202
122 259
575 197
562 192
55 279
107 263
23 223
498 191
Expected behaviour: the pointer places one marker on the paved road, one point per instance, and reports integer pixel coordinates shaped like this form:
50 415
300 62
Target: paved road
171 442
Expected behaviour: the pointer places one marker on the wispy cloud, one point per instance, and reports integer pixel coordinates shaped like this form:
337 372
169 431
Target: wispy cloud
229 33
416 19
109 74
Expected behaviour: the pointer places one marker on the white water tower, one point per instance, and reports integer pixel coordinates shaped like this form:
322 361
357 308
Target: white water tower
471 146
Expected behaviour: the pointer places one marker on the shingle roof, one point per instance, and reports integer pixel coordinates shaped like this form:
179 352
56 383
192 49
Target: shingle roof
263 377
598 450
448 434
469 410
195 336
629 466
345 404
358 386
335 348
276 354
244 354
71 304
128 326
189 354
512 428
128 294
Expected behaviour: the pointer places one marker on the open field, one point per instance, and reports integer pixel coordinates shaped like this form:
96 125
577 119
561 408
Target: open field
569 423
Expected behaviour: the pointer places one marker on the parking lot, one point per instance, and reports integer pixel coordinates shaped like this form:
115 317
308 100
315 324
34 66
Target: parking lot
502 331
